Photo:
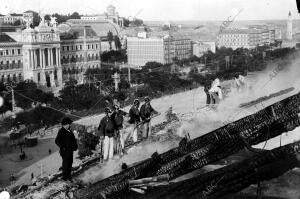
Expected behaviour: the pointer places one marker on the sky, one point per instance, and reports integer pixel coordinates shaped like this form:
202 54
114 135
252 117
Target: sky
163 10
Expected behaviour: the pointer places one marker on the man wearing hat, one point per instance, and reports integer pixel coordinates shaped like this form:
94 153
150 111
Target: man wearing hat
67 144
134 115
146 112
118 118
106 129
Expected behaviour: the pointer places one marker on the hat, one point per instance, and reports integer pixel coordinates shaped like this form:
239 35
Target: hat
136 101
116 104
107 110
66 121
116 107
147 99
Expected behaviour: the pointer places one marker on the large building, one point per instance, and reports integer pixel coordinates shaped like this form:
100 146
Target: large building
199 48
80 50
245 38
13 17
162 50
110 15
45 55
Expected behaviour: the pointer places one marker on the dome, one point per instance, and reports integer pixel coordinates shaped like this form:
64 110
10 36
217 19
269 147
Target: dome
111 7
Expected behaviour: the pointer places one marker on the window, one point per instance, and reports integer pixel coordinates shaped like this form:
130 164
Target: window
19 51
6 52
67 48
12 51
88 47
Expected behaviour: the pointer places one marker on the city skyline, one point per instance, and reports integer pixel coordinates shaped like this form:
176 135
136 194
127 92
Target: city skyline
166 10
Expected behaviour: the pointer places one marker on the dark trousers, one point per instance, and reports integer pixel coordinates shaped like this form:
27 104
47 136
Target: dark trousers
67 160
207 98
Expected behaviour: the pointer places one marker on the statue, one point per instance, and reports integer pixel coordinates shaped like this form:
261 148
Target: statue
42 16
28 22
53 22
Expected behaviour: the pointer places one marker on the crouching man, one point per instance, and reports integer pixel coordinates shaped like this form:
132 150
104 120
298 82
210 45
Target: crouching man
67 144
106 129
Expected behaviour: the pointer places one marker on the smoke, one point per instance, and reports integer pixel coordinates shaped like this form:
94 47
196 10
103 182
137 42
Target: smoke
278 75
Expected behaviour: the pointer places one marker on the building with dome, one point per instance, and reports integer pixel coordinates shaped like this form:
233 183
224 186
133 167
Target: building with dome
48 54
111 15
33 54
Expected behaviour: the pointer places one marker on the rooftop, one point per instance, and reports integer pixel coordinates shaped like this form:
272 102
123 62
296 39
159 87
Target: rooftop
242 31
101 28
16 15
4 38
75 31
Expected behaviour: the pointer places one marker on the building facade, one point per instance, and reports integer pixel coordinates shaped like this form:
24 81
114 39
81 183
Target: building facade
79 52
162 50
199 48
110 15
289 30
245 38
48 56
33 54
13 17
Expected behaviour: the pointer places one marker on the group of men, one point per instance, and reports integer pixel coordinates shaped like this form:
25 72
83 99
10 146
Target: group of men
112 127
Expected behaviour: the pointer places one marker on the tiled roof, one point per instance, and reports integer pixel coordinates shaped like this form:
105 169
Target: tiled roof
16 15
4 38
76 31
101 27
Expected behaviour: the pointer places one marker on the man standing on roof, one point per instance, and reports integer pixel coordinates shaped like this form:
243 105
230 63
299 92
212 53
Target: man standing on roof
146 112
135 118
106 129
67 143
118 118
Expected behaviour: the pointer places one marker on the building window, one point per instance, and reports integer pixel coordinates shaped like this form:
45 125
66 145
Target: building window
12 51
6 52
88 47
19 51
67 48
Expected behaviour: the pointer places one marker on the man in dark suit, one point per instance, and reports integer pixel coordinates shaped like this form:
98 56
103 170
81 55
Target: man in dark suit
67 143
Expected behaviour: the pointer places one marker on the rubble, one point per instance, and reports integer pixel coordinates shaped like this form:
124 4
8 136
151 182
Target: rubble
263 125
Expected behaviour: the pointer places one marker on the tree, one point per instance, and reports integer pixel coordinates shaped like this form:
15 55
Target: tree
60 18
126 22
152 65
110 38
36 19
47 18
17 23
74 15
137 22
71 82
27 92
7 106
